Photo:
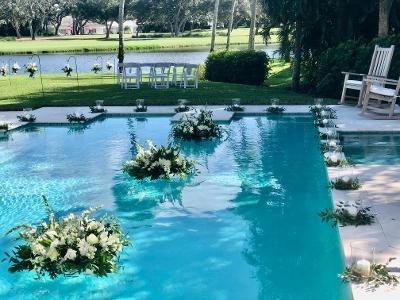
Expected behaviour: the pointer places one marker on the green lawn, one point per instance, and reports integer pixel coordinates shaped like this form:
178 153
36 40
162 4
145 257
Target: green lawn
20 91
96 43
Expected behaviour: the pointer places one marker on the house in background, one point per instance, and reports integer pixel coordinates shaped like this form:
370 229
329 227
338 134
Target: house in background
66 27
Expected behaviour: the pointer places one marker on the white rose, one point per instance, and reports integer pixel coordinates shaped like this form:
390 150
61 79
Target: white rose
92 239
92 225
52 254
38 249
70 255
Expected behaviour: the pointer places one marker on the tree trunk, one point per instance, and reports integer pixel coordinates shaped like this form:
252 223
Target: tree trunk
384 13
32 31
297 56
214 25
108 29
230 26
253 8
15 25
57 28
121 51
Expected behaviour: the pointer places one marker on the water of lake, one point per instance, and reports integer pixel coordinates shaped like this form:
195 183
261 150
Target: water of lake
53 63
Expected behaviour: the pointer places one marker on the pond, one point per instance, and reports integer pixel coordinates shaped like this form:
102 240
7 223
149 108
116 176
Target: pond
53 63
246 227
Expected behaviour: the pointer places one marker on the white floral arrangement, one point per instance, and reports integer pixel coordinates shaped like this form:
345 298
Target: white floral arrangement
3 70
69 245
154 163
96 68
197 126
109 65
31 68
15 68
67 70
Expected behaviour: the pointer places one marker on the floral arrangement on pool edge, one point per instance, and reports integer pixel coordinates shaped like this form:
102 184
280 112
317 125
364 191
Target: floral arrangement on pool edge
163 162
197 126
348 214
68 246
31 68
30 118
346 183
3 126
76 118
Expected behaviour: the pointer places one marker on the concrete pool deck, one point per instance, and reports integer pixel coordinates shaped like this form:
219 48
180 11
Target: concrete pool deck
380 190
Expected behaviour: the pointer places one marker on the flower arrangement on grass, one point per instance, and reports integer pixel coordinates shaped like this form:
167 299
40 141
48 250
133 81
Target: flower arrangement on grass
348 214
3 70
31 68
154 163
68 246
96 68
346 183
67 70
197 126
370 275
30 118
15 68
76 118
109 65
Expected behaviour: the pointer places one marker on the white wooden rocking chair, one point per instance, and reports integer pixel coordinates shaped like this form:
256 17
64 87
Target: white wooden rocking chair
379 67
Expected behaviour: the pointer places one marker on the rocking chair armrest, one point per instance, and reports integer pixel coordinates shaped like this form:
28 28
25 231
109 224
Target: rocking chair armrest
353 74
382 80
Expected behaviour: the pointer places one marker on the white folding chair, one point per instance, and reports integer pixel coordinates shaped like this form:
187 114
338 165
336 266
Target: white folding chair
160 75
131 76
190 74
177 73
379 67
381 95
146 72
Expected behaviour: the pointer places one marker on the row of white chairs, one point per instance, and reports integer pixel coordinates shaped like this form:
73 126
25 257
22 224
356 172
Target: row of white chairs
158 75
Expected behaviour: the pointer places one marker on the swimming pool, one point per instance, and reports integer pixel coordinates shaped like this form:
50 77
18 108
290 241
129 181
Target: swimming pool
372 148
246 227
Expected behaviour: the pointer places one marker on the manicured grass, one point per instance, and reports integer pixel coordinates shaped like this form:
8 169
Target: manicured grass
96 43
20 91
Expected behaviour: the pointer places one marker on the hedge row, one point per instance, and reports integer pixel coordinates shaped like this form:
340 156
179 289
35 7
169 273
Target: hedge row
245 67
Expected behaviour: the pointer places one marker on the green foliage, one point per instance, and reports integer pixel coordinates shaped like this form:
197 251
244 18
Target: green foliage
342 184
97 110
245 67
341 216
27 118
163 162
197 126
234 108
379 276
75 118
324 75
4 126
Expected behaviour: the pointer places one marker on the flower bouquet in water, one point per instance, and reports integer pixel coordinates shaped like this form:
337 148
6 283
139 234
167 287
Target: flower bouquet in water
197 126
163 162
68 246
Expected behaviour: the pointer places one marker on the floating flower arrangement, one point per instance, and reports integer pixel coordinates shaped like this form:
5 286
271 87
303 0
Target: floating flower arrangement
162 162
197 126
68 246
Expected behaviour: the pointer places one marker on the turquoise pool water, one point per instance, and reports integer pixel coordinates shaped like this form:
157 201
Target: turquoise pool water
372 148
245 228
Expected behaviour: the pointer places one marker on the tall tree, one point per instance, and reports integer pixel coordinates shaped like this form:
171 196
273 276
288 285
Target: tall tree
15 13
253 9
214 25
385 7
230 25
121 13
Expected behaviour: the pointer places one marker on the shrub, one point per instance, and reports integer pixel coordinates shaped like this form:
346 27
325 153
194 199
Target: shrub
324 74
245 67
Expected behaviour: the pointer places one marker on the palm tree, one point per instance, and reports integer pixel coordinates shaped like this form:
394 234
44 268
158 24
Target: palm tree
253 7
384 11
228 39
214 25
121 31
